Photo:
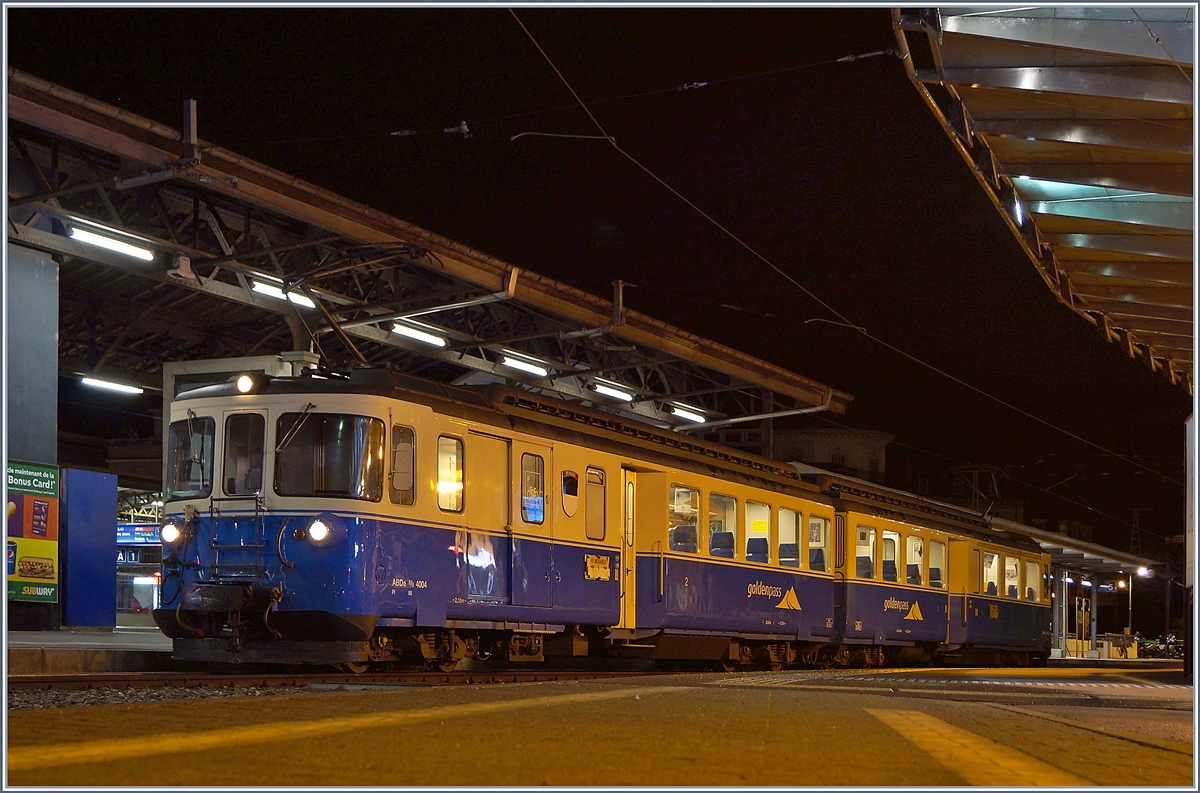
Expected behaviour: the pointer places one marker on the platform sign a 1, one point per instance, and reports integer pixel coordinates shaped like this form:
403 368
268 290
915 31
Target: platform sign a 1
32 532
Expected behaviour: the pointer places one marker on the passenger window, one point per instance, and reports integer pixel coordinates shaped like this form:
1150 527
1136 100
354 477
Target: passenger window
789 537
891 541
594 510
758 532
533 488
450 474
937 563
403 484
682 515
722 525
570 493
818 542
914 560
1031 580
1045 583
244 453
864 552
991 574
1012 577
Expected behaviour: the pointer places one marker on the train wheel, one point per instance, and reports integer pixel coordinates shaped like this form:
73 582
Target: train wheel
444 665
356 667
728 665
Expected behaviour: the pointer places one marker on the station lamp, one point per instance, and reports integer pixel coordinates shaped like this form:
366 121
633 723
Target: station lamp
418 334
687 414
610 391
515 361
111 386
270 290
112 240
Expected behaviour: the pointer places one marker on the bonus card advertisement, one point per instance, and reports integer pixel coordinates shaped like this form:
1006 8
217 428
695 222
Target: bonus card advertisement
32 532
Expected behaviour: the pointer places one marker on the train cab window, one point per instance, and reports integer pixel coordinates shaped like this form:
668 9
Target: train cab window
758 532
891 540
593 504
190 458
991 574
914 560
864 552
402 487
818 542
937 564
1031 581
1012 577
570 493
329 455
533 488
789 537
1045 583
683 513
450 474
243 467
722 525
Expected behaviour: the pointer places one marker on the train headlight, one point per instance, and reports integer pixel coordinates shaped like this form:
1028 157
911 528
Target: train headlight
249 382
318 531
325 530
244 384
170 533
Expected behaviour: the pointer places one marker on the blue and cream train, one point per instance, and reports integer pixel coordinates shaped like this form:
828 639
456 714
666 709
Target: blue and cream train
383 518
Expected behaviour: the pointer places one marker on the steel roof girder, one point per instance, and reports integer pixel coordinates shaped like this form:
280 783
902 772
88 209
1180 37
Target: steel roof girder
1176 296
1119 38
1178 247
1139 82
1161 272
1155 177
1177 216
1163 135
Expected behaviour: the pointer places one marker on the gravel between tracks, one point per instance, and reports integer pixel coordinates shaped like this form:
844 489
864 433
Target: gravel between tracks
69 698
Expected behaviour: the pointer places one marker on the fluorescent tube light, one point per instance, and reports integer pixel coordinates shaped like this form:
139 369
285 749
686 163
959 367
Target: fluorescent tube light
419 335
124 389
277 293
145 580
524 366
687 415
615 393
100 241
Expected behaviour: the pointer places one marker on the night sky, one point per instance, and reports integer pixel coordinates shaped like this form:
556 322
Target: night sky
836 172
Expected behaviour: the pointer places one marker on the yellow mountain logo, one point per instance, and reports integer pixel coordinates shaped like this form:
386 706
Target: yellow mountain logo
915 613
789 600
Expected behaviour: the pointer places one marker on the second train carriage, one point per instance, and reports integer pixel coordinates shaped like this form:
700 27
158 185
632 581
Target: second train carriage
316 520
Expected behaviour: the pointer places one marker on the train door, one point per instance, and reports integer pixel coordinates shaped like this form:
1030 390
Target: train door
485 551
961 580
839 574
533 570
628 551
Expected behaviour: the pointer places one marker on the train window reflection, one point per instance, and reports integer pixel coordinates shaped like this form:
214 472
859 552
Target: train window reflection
1012 577
330 455
991 574
450 474
190 458
1031 581
758 530
402 487
682 515
594 504
789 537
891 541
533 488
937 563
243 454
818 541
864 552
722 525
570 493
914 560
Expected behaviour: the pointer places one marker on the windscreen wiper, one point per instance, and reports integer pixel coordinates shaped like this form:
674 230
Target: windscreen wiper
295 427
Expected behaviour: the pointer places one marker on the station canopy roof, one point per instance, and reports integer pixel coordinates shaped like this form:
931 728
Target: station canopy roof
1078 123
367 285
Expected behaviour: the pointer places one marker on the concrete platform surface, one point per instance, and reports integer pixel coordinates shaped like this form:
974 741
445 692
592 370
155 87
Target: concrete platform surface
77 651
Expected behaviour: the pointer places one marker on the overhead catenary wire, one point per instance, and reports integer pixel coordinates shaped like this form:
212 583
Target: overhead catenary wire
749 249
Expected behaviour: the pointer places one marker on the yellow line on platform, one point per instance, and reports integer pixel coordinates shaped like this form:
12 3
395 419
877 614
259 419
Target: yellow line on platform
25 757
978 760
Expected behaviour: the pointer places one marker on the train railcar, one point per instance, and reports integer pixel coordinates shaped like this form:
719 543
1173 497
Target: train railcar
384 518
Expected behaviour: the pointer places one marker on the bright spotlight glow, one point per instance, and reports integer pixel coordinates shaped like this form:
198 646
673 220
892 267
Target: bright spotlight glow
170 534
1121 584
111 244
1086 582
524 366
145 580
1024 176
1017 212
277 293
1144 572
318 530
449 487
124 389
1069 580
687 415
419 335
244 384
615 393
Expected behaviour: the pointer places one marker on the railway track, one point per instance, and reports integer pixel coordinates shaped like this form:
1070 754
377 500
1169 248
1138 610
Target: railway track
292 679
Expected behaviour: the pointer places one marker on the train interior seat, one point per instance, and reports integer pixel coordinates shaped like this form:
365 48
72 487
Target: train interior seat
865 568
789 554
914 574
1029 594
991 588
816 559
935 577
757 549
721 544
683 538
1012 590
889 570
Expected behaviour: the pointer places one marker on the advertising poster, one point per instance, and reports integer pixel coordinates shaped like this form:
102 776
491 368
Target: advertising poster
32 532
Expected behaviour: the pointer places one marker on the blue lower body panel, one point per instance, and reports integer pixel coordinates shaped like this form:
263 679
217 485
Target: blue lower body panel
882 614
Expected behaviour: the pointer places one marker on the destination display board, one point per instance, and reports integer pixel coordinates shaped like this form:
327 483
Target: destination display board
32 532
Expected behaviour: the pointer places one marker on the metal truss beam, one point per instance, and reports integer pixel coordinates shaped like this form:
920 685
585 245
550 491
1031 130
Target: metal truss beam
1139 83
1180 297
1164 272
1123 39
1170 136
1172 247
1175 215
1153 177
